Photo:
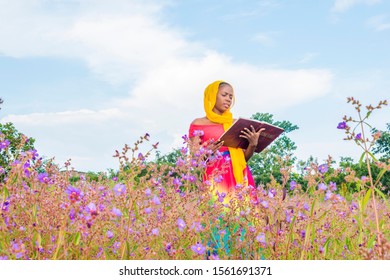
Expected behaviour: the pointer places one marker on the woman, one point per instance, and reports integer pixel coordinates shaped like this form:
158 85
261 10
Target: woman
231 168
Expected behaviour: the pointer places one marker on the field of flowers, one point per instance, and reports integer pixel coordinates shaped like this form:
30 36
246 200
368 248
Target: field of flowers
156 211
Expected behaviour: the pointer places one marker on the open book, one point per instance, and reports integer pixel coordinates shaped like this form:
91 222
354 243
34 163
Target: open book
232 138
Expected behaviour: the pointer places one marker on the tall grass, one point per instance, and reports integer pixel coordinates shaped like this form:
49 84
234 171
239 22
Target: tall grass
158 211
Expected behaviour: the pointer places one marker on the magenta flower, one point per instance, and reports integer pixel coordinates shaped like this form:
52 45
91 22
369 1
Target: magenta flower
2 170
323 168
119 189
342 125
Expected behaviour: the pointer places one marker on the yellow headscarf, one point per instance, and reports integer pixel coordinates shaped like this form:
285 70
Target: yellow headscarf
236 154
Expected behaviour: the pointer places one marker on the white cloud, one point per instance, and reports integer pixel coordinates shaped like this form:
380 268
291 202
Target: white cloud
308 57
379 23
264 38
344 5
165 74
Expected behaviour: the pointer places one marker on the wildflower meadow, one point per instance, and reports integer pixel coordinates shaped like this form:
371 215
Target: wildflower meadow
148 210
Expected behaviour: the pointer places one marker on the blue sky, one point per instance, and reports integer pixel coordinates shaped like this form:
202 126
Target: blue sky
85 77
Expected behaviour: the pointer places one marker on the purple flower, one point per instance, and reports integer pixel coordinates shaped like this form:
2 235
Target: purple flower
197 226
109 234
176 182
218 179
322 187
180 162
323 168
332 186
353 206
198 248
306 206
272 193
91 207
328 195
342 125
261 238
72 214
221 196
358 136
4 144
119 189
74 194
43 178
148 210
293 185
5 206
115 179
303 233
2 170
155 231
116 212
198 133
265 204
156 200
181 224
148 192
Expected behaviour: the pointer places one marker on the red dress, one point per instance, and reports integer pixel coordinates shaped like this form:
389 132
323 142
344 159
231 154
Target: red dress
220 172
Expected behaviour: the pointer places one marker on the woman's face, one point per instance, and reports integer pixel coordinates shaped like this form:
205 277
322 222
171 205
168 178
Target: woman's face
224 99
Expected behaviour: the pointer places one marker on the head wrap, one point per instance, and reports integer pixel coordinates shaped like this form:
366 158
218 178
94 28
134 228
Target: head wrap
236 154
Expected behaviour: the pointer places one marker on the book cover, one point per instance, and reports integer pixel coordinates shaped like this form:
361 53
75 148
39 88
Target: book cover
232 138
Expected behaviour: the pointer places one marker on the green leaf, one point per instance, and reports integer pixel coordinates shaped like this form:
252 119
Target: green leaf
365 199
361 159
382 195
373 157
6 192
76 239
326 245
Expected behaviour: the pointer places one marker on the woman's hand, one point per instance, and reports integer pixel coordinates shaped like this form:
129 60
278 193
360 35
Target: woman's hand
251 135
214 146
